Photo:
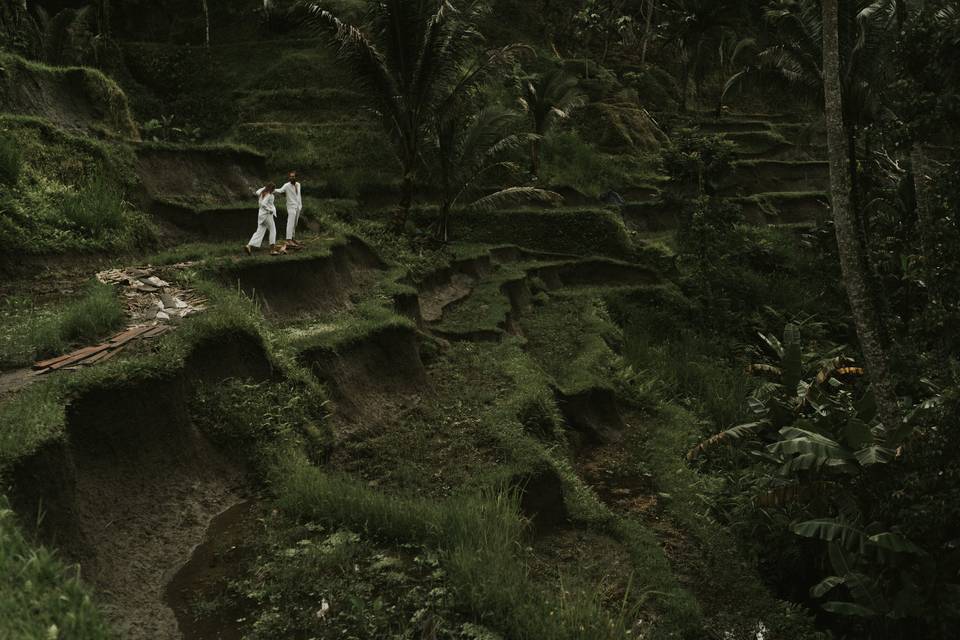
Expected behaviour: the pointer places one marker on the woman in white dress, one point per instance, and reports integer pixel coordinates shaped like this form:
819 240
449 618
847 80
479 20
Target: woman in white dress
265 219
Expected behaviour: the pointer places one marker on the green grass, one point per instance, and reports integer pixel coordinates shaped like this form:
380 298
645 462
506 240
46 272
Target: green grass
354 157
726 583
478 538
261 422
40 596
346 328
566 337
97 208
576 231
36 414
11 161
207 147
569 161
569 337
30 333
486 309
70 193
106 98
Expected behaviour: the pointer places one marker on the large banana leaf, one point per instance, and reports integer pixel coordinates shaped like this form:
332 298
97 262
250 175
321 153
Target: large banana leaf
849 609
896 543
824 586
830 530
801 442
771 341
874 454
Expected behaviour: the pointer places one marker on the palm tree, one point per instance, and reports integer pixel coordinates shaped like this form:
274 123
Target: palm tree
859 293
416 55
698 27
793 61
467 147
546 100
206 22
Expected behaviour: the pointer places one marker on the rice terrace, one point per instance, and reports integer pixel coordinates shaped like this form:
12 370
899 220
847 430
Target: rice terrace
479 319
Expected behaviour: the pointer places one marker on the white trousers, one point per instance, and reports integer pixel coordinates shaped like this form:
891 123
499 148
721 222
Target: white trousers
265 223
293 217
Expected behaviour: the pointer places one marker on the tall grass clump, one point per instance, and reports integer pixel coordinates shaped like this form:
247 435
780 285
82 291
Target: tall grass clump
87 319
98 207
569 161
39 596
11 161
480 540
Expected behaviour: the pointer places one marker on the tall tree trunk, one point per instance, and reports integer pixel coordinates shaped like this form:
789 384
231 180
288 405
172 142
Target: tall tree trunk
859 293
103 18
443 229
923 172
647 31
535 158
206 22
684 82
406 201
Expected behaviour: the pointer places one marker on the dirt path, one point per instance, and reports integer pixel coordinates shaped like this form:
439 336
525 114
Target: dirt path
434 301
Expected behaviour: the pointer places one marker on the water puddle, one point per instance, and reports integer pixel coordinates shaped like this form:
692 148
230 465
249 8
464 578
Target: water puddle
198 592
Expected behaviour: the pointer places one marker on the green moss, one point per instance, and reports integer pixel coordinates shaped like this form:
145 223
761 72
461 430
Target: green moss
733 597
348 158
486 310
100 103
36 414
224 148
478 539
347 328
61 169
570 338
572 231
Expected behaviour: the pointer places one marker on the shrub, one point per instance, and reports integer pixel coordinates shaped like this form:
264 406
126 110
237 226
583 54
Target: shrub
88 319
568 161
96 208
10 161
697 165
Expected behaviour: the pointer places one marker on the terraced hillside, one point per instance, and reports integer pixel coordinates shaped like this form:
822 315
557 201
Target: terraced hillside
463 409
779 175
377 435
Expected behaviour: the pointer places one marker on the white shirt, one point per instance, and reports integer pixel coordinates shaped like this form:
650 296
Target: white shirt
267 207
292 192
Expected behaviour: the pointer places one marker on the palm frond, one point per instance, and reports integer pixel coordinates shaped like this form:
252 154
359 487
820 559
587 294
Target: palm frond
513 196
363 57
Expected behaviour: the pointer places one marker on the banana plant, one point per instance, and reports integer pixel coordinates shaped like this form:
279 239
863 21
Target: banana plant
875 572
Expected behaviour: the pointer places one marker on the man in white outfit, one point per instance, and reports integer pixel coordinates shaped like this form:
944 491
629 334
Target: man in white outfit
294 205
265 219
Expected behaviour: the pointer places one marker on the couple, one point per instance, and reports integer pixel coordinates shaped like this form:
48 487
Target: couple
268 211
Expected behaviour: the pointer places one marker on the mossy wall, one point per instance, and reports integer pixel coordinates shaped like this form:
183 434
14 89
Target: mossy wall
71 97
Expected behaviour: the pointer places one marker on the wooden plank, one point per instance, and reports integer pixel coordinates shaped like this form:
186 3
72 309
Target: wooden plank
53 364
43 364
157 331
111 354
97 357
128 335
77 356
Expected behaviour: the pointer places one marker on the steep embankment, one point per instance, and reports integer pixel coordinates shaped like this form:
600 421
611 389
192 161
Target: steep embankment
204 191
131 485
71 97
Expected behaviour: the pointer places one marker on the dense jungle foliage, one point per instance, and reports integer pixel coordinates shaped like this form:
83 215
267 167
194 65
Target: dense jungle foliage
790 170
